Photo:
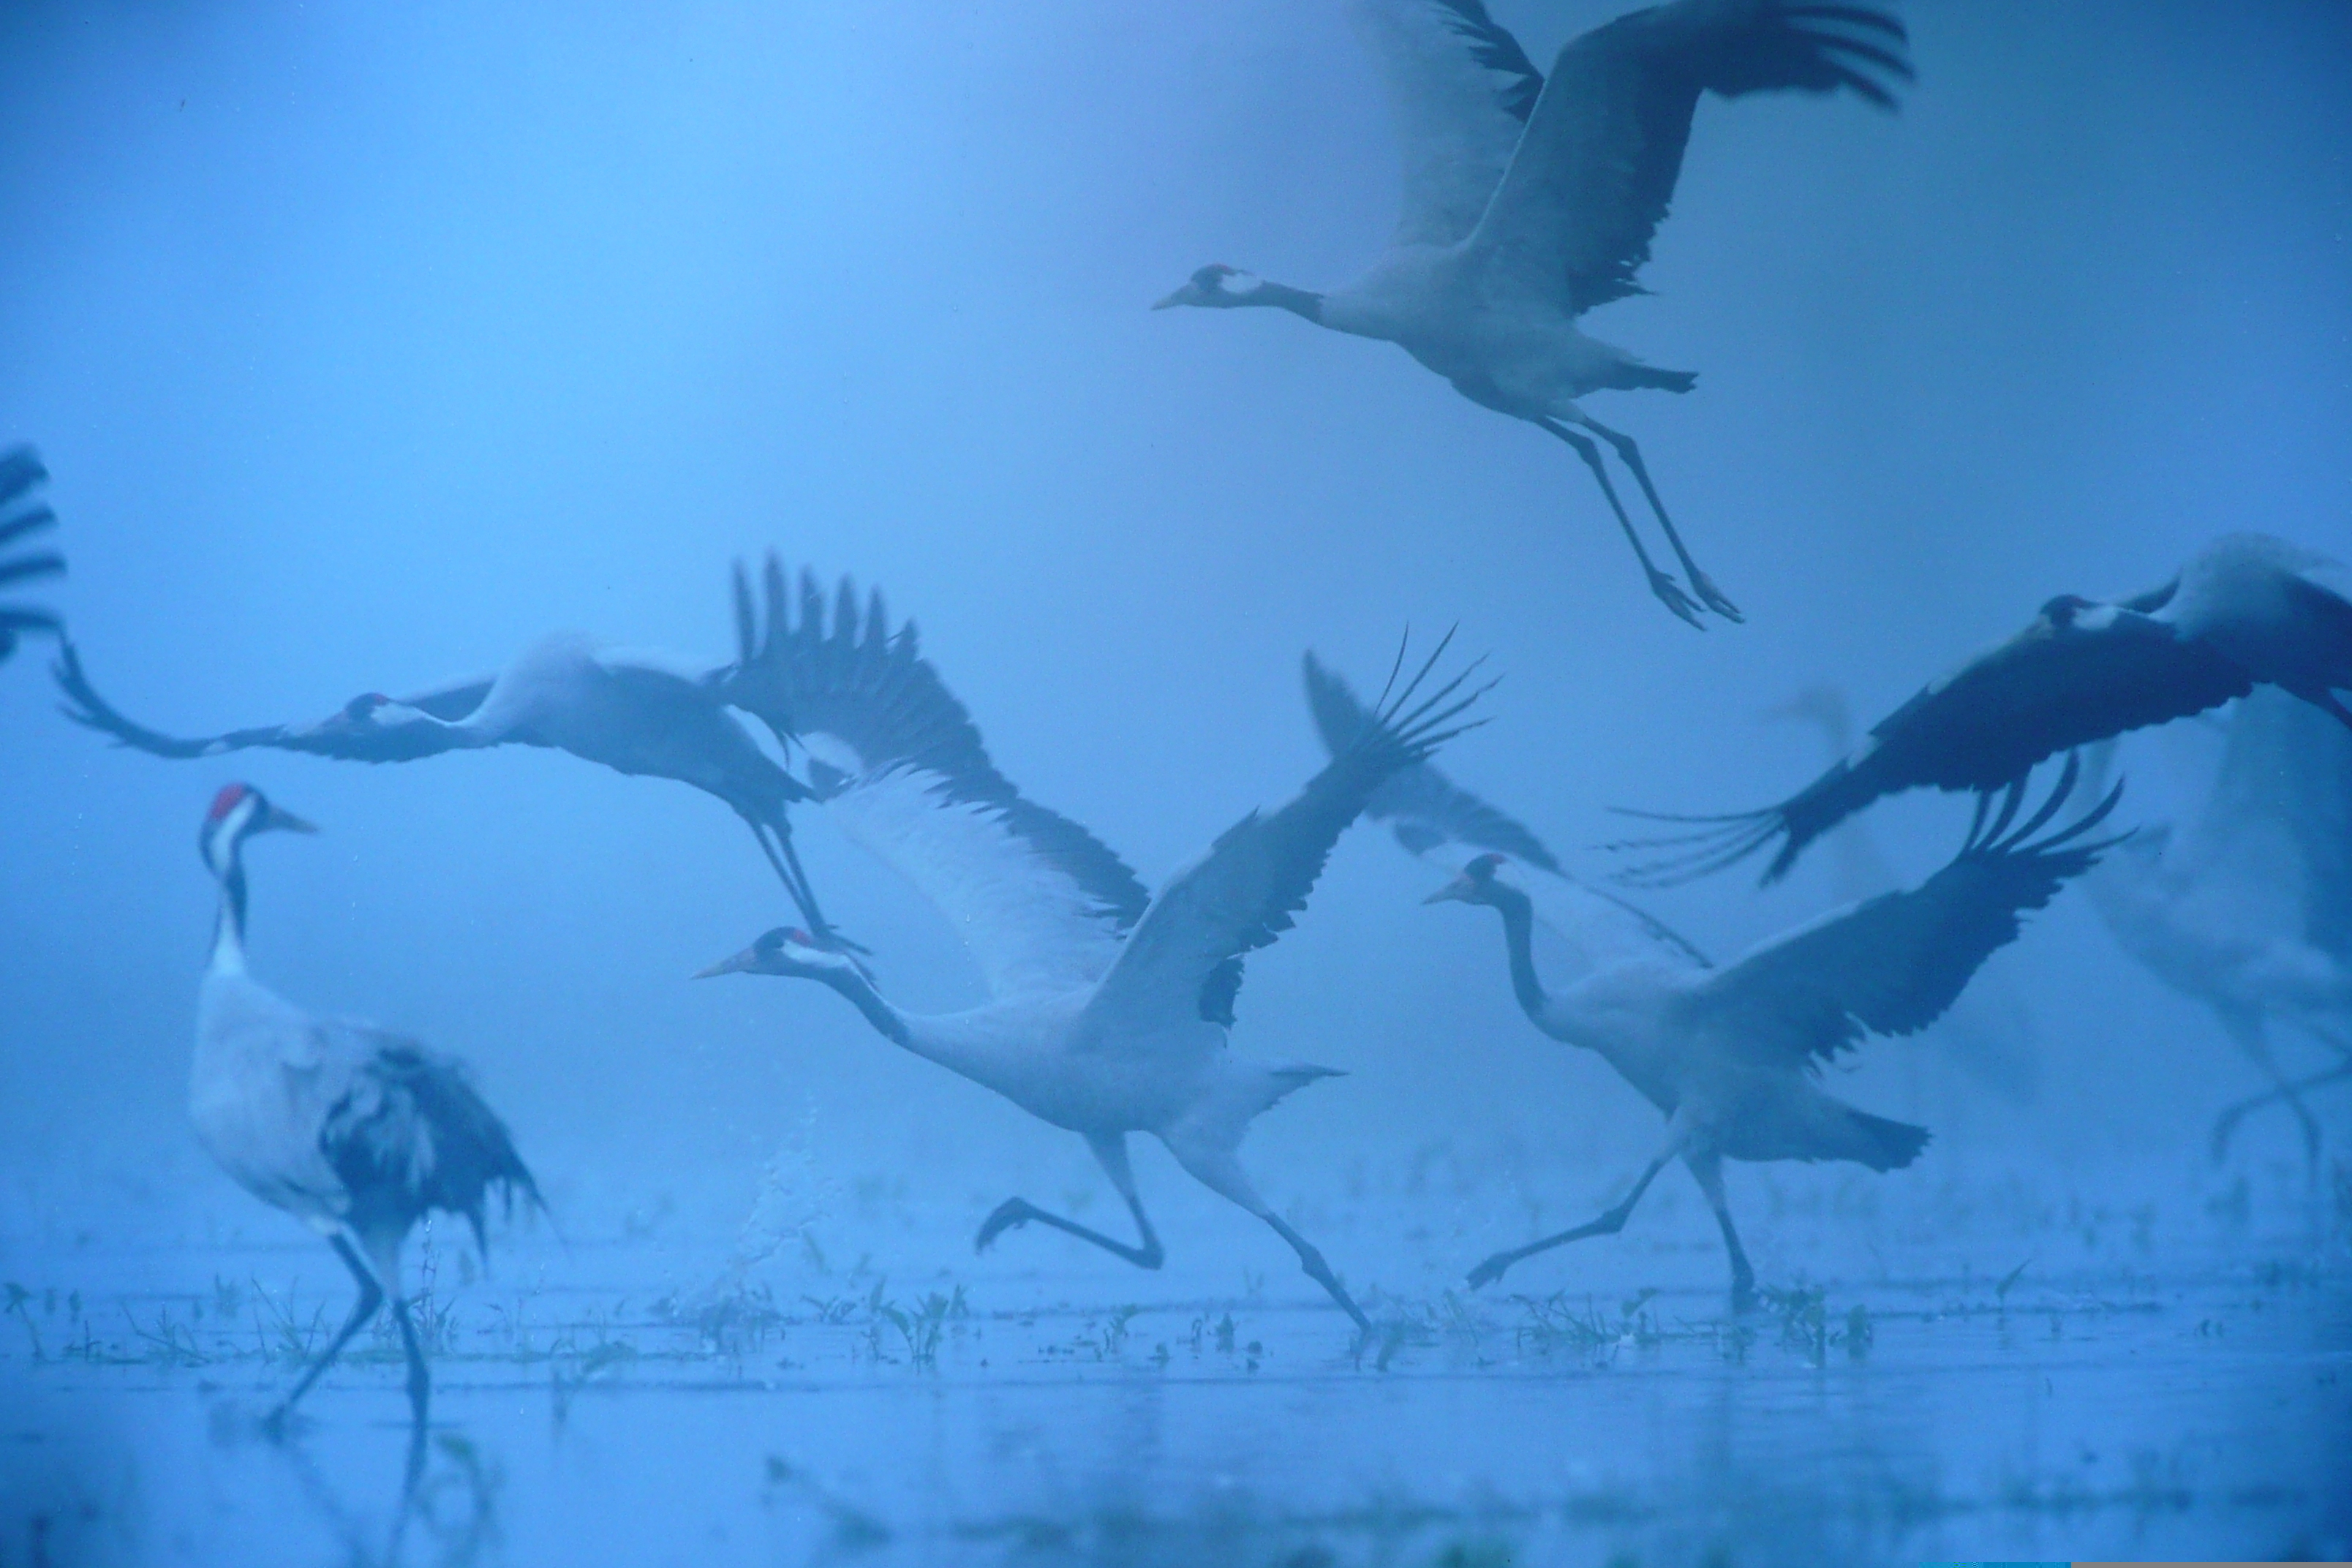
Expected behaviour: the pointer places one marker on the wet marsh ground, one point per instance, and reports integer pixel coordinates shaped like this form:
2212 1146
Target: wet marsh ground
1966 1373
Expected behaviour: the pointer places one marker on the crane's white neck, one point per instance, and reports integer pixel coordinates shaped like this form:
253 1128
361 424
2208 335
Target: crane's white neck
228 925
974 1053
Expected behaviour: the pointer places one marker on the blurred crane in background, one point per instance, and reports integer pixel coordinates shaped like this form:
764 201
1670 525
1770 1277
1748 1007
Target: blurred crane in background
2249 908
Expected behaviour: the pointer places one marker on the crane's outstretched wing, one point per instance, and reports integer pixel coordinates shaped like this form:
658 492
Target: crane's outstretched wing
1461 89
898 762
1424 808
21 474
1892 964
344 734
1184 959
2080 673
1574 215
1584 926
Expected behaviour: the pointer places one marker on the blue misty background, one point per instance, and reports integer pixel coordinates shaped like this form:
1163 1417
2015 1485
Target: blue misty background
366 344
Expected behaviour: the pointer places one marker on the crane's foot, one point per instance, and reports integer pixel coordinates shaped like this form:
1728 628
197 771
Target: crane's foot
1670 594
1714 597
1486 1273
1010 1213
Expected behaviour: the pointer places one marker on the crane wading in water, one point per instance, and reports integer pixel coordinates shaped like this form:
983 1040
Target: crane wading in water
1529 203
355 1131
1731 1055
1108 1009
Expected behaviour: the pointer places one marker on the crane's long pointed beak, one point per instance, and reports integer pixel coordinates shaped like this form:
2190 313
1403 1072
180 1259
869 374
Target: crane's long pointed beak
1178 298
1454 892
737 964
285 821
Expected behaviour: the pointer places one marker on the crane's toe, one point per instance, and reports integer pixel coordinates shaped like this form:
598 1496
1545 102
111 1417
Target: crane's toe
1715 597
1670 594
1012 1212
1486 1273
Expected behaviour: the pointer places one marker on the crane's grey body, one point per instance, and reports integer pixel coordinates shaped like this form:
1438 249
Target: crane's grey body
1728 1055
1529 202
1108 1009
638 713
355 1131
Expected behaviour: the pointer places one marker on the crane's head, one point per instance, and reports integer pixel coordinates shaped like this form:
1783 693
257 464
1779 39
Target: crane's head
1215 285
788 951
1476 885
371 711
237 813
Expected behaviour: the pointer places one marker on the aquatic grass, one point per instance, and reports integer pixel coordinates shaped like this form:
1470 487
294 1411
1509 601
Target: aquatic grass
18 1296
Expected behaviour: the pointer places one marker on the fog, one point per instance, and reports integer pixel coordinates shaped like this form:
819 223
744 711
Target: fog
366 344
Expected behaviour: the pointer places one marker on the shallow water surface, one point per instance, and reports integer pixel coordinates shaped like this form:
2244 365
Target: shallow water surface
1060 1412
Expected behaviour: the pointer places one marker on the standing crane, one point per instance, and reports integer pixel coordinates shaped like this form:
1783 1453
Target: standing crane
635 712
2248 610
355 1131
1730 1057
2250 909
21 474
1108 1009
1529 203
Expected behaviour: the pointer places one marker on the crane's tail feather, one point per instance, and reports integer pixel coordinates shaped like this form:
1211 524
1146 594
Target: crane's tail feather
1721 843
1883 1144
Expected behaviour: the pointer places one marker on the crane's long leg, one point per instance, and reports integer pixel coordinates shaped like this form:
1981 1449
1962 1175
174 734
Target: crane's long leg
776 844
370 1297
1701 583
2227 1122
420 1380
1111 1153
1669 592
1609 1224
1214 1166
2247 1032
1708 1169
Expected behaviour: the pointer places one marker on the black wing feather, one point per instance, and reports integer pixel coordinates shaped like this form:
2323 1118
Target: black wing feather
850 674
412 1134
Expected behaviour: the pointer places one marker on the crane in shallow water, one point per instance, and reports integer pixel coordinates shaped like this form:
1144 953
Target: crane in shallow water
1108 1009
1529 203
355 1131
1731 1055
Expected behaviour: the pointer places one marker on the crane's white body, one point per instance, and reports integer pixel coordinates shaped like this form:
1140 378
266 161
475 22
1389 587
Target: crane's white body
1517 354
259 1087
